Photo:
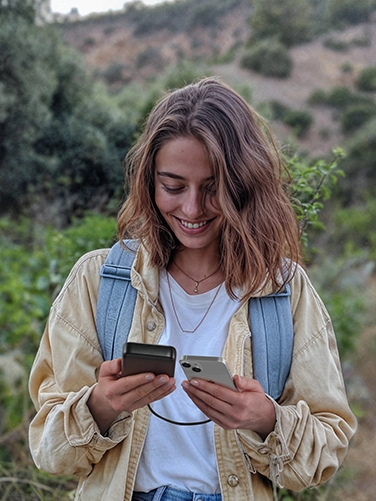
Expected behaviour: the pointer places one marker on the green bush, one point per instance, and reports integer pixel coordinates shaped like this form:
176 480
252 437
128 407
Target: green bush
355 228
317 98
360 165
366 80
289 21
343 12
299 120
336 45
268 57
339 97
340 283
355 116
34 262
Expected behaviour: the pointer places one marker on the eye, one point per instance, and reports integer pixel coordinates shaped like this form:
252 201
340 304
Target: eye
172 189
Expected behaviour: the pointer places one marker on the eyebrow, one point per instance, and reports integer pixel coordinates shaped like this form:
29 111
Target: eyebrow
172 175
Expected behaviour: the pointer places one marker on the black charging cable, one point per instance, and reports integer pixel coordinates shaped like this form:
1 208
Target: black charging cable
179 423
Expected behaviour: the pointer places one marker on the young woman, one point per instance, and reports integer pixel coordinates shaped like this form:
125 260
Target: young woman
215 228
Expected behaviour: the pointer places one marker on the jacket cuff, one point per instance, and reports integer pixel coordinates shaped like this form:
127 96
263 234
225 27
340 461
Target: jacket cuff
270 455
81 427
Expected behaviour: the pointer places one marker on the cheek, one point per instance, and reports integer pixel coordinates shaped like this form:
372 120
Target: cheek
164 202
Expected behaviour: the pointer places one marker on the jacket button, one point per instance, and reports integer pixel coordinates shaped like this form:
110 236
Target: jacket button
232 480
151 325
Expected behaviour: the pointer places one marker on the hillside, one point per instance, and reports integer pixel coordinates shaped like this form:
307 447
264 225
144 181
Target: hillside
119 52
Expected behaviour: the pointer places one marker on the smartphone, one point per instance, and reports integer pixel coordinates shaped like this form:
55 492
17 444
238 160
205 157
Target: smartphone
212 369
142 357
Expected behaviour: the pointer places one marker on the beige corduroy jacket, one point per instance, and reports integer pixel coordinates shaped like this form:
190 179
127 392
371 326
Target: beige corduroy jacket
314 421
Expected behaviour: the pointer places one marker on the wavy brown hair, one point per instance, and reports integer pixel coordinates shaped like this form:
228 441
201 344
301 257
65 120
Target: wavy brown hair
260 229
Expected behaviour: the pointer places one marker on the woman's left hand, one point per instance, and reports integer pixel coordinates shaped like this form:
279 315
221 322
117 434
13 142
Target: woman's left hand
248 408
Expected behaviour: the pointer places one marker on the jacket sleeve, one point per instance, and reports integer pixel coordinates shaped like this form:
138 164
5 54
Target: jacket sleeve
63 436
314 422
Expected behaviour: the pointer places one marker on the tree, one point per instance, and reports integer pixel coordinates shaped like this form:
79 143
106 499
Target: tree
62 138
290 21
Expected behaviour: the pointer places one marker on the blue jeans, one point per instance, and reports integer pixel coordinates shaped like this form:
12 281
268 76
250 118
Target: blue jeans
166 493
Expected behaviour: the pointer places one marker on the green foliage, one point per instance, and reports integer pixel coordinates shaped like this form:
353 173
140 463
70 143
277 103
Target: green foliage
311 185
355 109
339 97
343 12
355 116
179 16
340 283
61 137
268 57
366 80
35 261
299 120
355 228
290 21
336 45
360 165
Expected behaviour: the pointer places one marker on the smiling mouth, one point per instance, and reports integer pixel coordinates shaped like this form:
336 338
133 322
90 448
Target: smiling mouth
193 226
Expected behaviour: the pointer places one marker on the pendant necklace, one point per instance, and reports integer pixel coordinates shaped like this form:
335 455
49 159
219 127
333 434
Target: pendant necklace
197 282
176 314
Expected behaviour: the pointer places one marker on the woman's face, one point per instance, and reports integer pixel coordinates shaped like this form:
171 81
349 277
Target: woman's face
184 193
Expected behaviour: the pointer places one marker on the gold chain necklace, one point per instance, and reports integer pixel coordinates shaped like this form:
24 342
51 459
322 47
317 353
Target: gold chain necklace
176 314
197 282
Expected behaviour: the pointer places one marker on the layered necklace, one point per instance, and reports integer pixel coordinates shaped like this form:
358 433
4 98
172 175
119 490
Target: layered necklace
206 312
197 282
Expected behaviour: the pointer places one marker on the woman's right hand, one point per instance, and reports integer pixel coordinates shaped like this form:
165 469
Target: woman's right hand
114 394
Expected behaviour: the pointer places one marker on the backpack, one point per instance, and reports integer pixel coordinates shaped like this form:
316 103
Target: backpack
270 320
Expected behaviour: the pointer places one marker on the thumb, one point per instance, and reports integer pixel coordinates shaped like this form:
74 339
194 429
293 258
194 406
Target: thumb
110 368
246 384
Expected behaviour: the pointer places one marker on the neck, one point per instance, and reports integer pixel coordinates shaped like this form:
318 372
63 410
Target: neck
195 273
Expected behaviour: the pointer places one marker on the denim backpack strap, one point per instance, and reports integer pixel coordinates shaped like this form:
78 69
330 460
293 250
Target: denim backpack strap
116 299
272 340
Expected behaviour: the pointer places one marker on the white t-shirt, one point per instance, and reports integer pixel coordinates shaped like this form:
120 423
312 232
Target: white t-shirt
183 457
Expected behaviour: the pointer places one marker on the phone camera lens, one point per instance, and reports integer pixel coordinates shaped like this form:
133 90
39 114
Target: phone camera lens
196 369
186 365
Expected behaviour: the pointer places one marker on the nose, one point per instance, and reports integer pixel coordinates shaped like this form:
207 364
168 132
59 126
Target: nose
193 204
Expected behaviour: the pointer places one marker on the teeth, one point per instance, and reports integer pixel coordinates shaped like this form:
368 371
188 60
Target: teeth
193 226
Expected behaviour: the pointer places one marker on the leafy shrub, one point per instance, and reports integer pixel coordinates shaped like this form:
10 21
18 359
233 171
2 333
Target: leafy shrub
360 165
343 12
366 80
150 56
34 264
311 185
290 21
339 97
113 73
355 228
278 109
268 57
356 116
299 120
317 97
340 283
336 45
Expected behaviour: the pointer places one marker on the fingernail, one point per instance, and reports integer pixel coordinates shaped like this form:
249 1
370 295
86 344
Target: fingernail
149 377
194 382
185 385
163 379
